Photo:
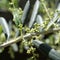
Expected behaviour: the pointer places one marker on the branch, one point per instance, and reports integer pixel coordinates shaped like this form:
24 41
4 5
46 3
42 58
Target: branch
15 40
29 35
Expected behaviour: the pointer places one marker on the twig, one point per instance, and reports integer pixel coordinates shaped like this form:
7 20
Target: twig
46 10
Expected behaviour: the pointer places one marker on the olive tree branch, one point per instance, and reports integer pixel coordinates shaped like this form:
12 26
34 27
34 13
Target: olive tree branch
29 35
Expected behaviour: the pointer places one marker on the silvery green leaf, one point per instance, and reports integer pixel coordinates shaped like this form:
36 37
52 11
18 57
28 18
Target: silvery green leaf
39 20
34 13
5 26
58 21
26 47
14 47
58 8
10 25
26 8
17 32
